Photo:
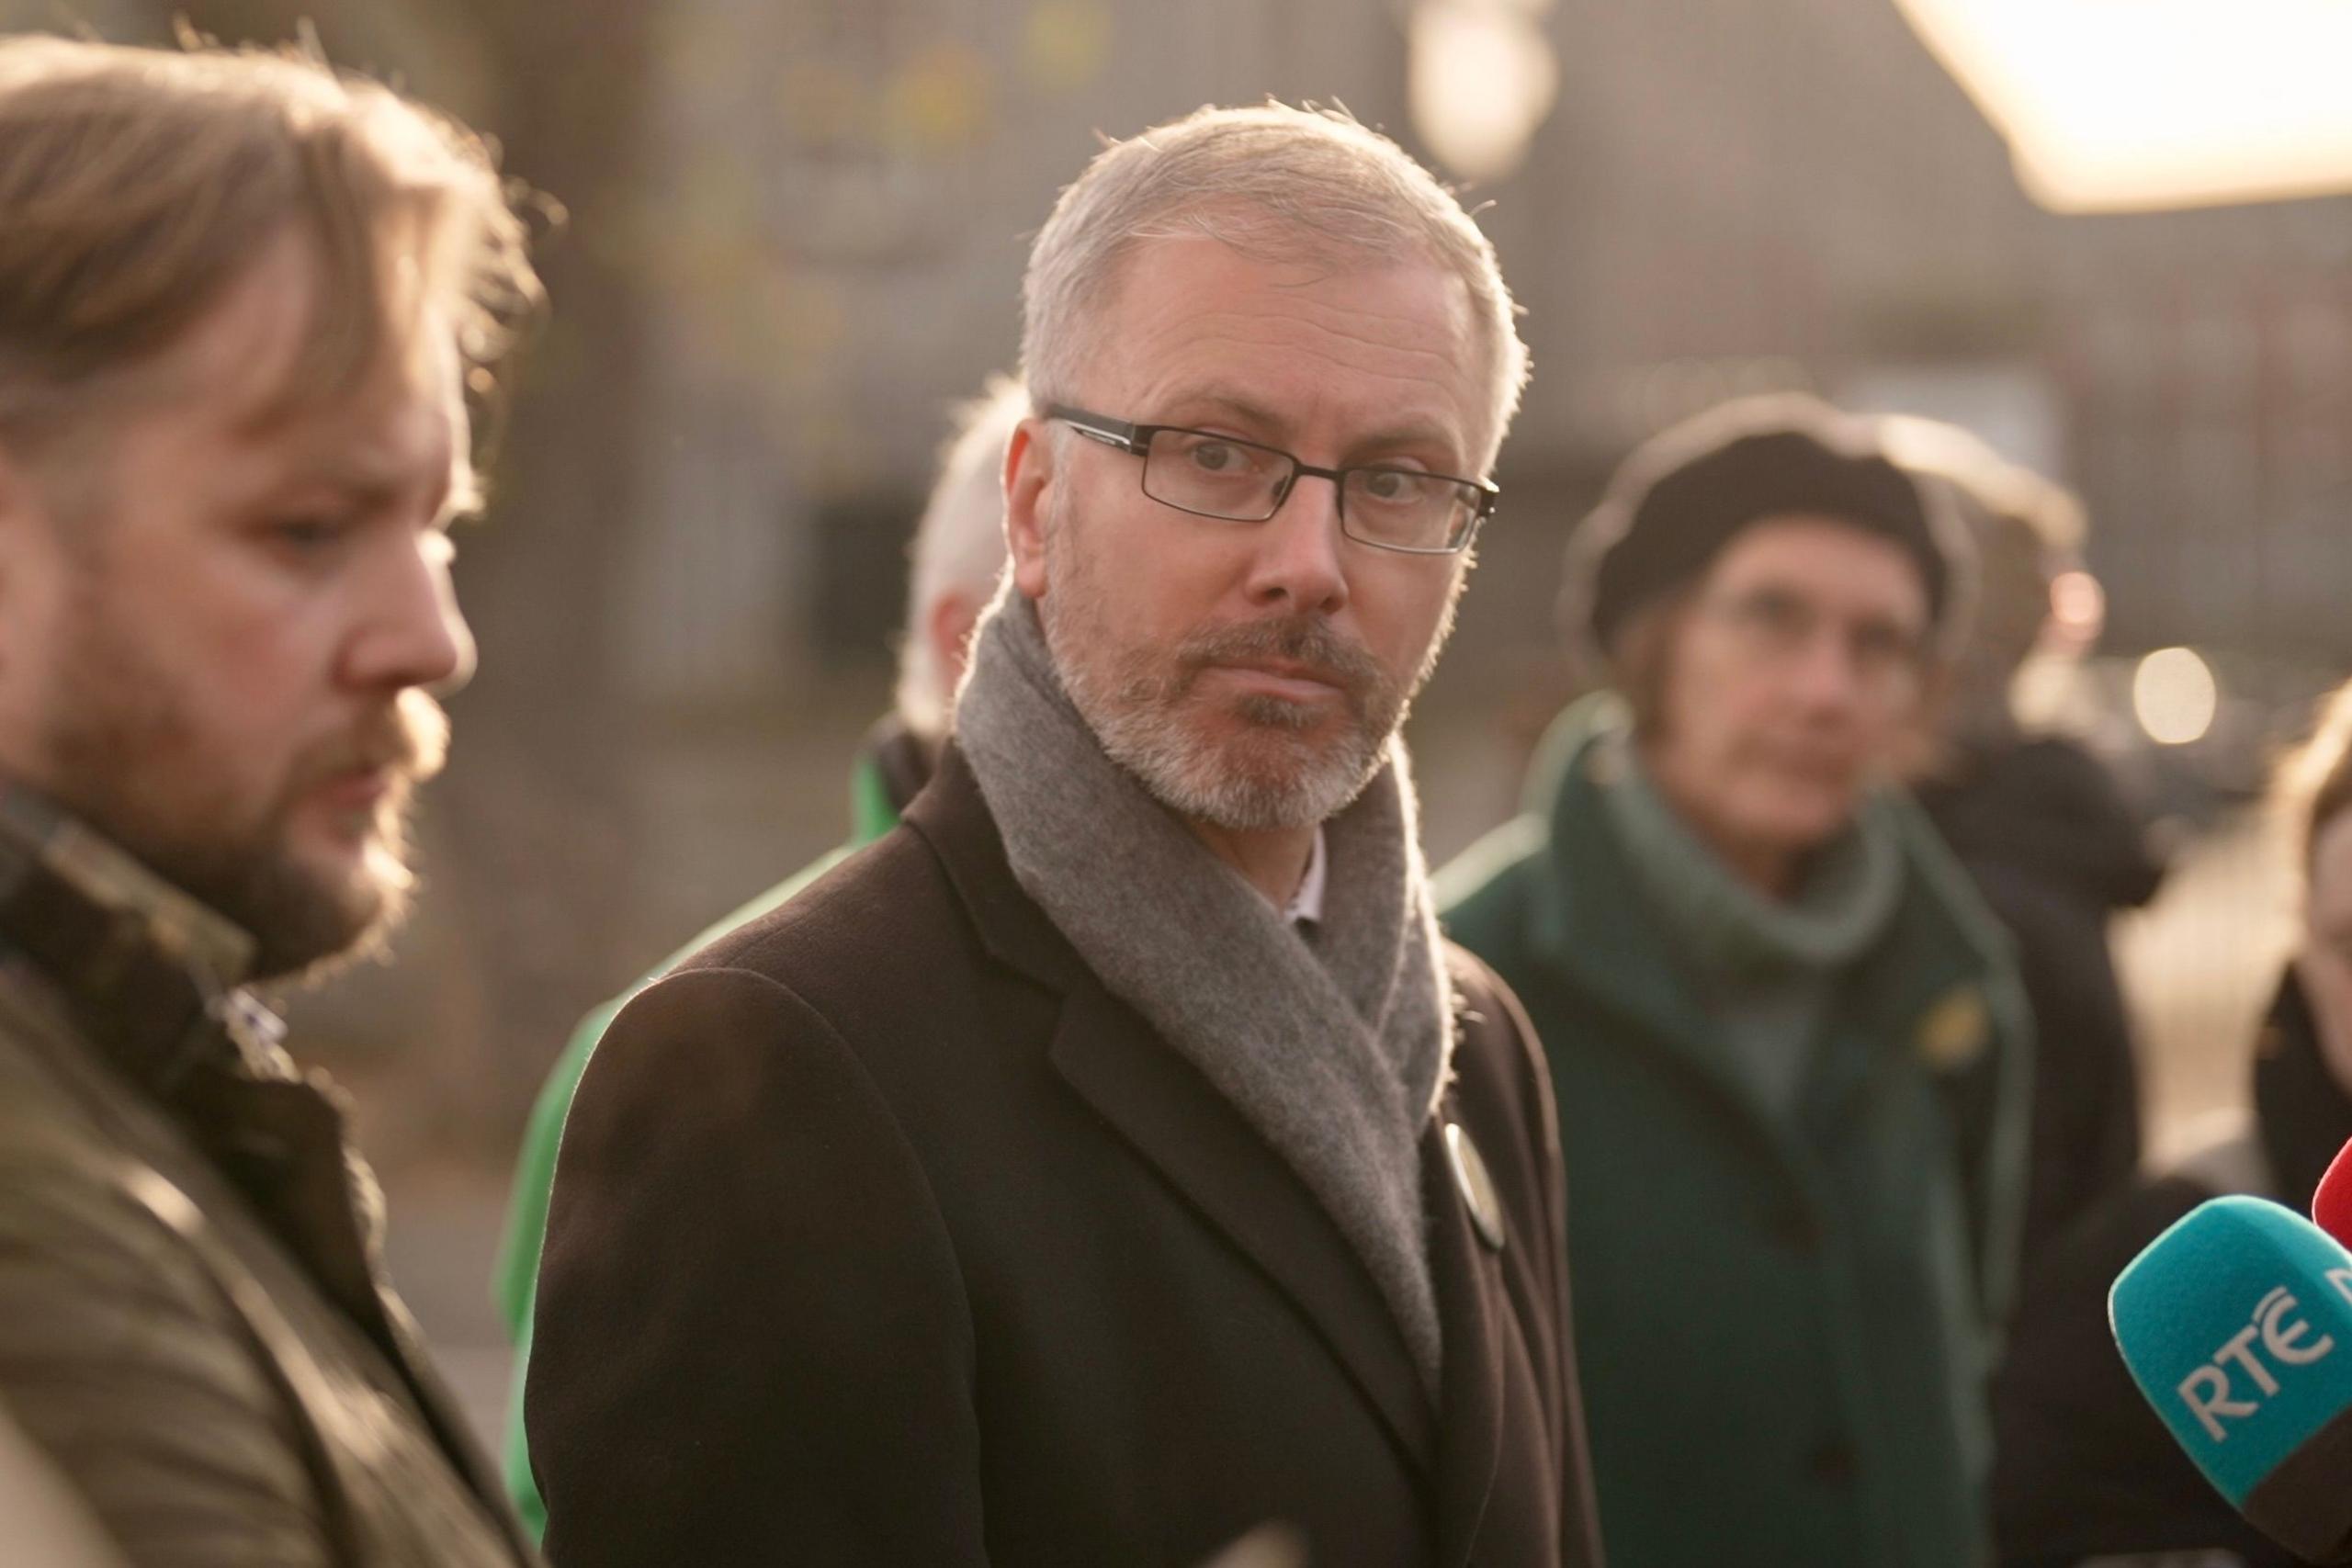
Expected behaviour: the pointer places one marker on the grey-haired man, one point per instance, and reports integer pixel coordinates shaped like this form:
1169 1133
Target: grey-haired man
1114 1158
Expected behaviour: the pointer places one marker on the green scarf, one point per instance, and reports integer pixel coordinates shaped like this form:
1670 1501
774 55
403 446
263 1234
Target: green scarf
1766 968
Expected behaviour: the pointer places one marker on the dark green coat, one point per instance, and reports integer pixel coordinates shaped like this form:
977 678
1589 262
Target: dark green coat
1783 1362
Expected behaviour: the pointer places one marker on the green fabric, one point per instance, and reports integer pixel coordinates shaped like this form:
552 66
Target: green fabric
1766 968
1784 1316
872 813
515 1281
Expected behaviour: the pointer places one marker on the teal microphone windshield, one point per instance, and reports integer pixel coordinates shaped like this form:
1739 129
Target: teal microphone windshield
2237 1325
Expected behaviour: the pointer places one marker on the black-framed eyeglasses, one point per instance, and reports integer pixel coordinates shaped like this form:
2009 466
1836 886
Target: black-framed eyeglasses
1240 482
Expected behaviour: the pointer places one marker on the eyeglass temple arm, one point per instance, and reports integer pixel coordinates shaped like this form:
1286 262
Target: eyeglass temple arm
1109 431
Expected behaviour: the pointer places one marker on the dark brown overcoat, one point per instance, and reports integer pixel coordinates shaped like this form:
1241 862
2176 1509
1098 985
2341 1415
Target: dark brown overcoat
883 1234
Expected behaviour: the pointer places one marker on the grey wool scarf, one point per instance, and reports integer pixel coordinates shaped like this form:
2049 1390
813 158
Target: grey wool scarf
1334 1050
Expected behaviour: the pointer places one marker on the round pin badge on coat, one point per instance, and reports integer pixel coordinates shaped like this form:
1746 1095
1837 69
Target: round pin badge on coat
1478 1187
1955 1030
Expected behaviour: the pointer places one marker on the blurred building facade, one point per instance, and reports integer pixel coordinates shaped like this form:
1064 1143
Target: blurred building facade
804 226
1727 198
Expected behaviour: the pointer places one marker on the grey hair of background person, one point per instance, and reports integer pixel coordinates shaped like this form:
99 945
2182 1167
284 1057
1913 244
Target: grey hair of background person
1276 183
2049 513
2024 530
958 545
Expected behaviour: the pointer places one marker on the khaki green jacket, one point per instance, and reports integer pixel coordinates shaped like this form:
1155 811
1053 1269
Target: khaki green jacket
193 1330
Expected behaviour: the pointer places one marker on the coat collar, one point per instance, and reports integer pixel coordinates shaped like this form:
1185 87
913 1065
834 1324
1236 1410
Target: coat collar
152 975
177 925
892 768
1470 1302
1170 1115
241 1152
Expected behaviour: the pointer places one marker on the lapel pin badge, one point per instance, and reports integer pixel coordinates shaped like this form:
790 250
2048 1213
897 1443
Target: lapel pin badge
1478 1187
1955 1030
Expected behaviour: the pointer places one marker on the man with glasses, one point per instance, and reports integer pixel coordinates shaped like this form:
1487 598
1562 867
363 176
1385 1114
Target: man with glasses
1113 1161
1788 1042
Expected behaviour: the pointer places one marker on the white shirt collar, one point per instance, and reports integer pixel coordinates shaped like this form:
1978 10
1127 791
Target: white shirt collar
1306 906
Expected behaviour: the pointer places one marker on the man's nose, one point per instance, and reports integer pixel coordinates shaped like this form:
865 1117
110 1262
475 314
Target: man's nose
1298 565
412 633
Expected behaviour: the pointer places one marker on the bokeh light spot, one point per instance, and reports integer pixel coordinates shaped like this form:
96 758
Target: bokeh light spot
1482 78
2174 696
1066 42
2077 609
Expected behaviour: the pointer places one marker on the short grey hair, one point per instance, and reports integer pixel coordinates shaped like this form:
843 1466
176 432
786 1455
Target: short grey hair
959 545
2051 515
1273 181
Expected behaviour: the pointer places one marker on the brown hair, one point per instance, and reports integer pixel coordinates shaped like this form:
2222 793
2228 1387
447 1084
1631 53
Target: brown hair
2313 782
136 184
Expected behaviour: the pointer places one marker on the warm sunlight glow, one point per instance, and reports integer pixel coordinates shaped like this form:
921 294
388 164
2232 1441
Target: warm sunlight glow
2122 105
2174 696
1483 77
2077 609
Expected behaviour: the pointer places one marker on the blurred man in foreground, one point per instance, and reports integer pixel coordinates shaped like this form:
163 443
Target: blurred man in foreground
1114 1160
957 555
238 297
1787 1038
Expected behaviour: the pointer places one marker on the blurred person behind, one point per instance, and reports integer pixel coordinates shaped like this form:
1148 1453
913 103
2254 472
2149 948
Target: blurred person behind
1786 1037
240 298
1113 1159
2087 1469
2038 823
955 561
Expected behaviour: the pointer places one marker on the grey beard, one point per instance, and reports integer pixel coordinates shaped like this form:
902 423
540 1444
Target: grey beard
1303 787
1273 778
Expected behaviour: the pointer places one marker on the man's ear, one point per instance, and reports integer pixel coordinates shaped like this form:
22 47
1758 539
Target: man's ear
1029 476
948 624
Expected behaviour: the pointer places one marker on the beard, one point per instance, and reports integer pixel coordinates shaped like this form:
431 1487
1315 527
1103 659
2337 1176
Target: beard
124 756
1285 768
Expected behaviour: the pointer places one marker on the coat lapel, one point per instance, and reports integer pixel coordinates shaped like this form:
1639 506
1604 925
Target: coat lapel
1470 1299
1160 1103
1161 1106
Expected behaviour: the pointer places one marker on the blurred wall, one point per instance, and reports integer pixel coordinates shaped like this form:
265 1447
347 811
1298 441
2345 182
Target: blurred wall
798 232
